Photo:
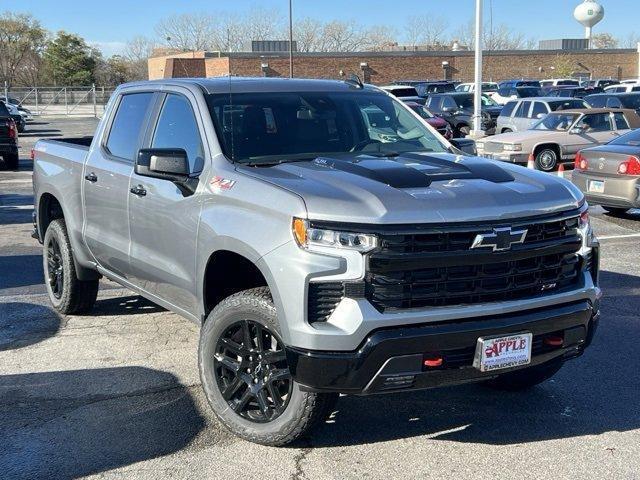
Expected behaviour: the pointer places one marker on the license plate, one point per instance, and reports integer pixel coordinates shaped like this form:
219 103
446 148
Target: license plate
496 353
596 186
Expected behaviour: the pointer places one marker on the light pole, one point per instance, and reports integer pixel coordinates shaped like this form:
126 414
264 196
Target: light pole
290 39
477 95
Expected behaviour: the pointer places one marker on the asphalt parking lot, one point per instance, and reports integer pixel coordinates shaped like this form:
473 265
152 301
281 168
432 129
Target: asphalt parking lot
116 394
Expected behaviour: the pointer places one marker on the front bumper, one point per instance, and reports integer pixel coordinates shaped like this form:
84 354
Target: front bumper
512 157
619 190
392 359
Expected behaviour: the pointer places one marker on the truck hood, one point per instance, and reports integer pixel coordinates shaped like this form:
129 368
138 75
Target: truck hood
418 188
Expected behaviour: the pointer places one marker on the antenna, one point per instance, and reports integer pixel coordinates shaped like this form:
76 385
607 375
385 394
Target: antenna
354 79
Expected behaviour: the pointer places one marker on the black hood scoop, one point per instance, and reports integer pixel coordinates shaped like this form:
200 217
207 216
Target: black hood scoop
415 170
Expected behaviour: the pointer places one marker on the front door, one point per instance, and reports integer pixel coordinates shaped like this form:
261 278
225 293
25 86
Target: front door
164 221
106 183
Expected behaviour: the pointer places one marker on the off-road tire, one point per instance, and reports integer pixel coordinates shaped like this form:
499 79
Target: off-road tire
304 410
525 378
76 296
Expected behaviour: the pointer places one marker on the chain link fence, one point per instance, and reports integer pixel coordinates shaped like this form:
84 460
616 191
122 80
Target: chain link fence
60 101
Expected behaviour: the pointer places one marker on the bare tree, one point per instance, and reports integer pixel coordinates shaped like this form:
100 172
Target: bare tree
604 40
426 30
137 52
630 41
307 33
496 37
187 32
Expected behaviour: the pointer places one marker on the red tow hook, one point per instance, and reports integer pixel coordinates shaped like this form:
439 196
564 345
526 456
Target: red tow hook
554 341
433 362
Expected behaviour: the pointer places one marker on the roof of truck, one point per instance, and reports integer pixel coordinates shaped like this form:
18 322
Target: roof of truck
259 84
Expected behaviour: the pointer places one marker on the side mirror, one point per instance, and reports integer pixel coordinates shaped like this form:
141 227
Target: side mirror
465 145
540 116
169 164
576 131
448 109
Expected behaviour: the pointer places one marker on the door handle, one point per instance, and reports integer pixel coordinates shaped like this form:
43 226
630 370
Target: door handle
92 177
138 190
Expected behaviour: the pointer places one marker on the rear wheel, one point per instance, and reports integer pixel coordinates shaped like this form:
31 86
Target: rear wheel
525 378
615 210
547 159
246 377
67 293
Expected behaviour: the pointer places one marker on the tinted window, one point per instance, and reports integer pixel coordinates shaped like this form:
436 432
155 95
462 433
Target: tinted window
126 126
613 102
621 121
636 89
525 92
504 92
507 109
177 128
449 102
568 83
523 110
3 110
567 105
539 108
631 101
405 92
596 101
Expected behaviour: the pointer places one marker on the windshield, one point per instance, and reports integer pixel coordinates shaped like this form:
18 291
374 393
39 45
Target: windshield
404 92
272 127
556 121
488 101
631 101
464 102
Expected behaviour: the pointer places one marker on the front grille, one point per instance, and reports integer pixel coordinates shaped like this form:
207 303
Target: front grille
324 297
437 268
493 147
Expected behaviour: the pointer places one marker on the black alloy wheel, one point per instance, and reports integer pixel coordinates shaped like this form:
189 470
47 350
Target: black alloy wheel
55 268
251 371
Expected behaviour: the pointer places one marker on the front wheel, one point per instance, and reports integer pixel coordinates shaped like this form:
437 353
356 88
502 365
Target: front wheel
525 378
245 375
67 293
547 159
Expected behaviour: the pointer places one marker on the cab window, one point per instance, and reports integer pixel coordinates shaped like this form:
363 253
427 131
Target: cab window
539 108
125 131
621 121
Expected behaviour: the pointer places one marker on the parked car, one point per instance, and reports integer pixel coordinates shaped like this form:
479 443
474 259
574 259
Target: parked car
487 87
21 123
558 136
8 139
519 115
615 100
25 112
457 109
315 259
504 95
609 175
427 87
623 88
630 80
573 92
559 82
518 83
600 82
406 93
440 124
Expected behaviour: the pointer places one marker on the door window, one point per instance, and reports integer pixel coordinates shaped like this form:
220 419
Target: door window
597 122
613 102
621 121
507 109
127 124
177 128
539 108
523 110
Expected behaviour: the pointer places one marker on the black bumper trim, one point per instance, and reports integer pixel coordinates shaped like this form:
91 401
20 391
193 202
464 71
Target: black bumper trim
398 352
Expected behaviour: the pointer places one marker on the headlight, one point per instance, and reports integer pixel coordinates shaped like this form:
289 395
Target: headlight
311 238
512 147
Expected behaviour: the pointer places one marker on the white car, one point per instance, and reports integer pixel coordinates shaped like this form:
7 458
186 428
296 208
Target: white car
559 82
623 88
487 87
504 95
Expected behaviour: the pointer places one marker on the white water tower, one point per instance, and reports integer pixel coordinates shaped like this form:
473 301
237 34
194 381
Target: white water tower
588 13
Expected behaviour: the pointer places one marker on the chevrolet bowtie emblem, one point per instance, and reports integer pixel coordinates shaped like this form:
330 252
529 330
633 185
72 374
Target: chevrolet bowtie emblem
499 239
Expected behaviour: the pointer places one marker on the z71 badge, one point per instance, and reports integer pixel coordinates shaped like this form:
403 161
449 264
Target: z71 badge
219 183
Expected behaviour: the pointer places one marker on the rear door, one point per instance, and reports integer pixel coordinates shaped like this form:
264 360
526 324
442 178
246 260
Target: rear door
106 182
521 119
596 129
164 221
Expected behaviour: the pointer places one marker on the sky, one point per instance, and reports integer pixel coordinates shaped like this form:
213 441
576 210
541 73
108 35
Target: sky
108 24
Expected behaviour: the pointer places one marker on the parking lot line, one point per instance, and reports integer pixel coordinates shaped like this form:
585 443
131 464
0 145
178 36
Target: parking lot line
612 237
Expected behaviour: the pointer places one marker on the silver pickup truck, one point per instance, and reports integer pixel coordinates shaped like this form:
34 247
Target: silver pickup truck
326 239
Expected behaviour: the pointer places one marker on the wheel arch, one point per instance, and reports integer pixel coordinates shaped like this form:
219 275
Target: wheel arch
553 145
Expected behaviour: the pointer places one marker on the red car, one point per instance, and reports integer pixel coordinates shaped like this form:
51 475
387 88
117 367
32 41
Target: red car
440 124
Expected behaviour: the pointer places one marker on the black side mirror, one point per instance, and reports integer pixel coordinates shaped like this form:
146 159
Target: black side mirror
465 145
169 164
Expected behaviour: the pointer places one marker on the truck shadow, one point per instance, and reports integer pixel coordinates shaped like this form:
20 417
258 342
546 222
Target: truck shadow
68 424
127 305
594 394
24 324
